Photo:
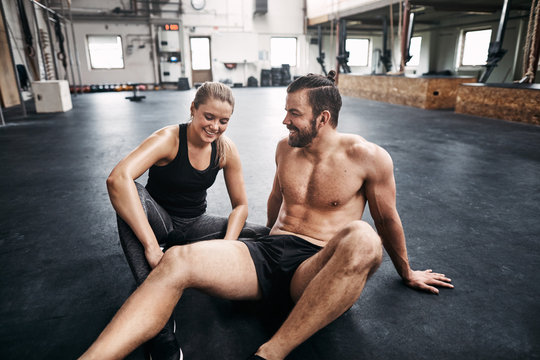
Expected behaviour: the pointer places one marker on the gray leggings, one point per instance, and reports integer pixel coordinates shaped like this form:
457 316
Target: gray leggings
203 227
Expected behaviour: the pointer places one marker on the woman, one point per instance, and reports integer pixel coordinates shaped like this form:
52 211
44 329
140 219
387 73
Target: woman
183 161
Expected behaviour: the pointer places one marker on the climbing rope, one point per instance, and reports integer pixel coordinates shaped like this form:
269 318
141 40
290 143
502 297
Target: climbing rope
529 51
528 38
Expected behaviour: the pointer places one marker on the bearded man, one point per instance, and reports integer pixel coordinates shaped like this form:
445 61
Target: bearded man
319 253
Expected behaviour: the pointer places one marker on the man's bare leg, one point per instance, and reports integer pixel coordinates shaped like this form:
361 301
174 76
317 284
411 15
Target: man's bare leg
326 285
222 268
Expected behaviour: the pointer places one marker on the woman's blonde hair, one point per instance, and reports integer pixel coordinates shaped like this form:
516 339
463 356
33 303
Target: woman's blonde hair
216 91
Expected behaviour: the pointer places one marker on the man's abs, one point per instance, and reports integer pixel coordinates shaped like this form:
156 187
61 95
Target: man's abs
317 228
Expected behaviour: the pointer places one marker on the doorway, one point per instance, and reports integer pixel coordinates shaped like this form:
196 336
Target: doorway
201 63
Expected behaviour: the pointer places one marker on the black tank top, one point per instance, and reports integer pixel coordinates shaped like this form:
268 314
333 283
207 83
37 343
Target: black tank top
180 188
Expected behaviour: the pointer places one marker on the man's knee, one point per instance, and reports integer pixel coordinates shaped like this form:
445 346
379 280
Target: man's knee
176 262
360 247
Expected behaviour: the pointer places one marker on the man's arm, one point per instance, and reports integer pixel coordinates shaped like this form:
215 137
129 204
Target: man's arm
274 200
381 196
274 203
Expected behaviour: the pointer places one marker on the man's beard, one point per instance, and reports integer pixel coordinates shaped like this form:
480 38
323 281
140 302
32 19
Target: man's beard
303 137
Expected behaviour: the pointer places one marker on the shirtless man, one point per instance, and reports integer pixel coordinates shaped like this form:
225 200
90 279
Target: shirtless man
319 252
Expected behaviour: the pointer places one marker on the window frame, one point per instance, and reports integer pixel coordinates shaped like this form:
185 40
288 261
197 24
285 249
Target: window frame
368 54
295 50
408 64
461 47
209 53
92 67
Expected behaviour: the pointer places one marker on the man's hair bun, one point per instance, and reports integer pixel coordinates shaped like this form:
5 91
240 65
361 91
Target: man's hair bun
331 76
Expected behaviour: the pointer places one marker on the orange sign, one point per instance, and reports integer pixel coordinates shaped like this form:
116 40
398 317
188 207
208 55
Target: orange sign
172 27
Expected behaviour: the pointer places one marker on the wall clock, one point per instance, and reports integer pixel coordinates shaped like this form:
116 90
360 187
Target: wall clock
198 4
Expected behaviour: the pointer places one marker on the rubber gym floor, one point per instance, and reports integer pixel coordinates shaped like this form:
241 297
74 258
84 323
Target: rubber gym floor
468 192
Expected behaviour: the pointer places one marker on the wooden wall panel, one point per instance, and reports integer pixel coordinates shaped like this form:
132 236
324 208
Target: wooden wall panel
519 103
422 92
9 91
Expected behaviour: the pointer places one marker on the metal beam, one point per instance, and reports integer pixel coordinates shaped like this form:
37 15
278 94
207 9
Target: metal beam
343 54
386 55
320 58
496 52
503 20
457 6
360 9
405 40
75 51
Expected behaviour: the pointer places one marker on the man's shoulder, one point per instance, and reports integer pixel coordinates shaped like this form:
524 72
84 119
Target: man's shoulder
372 158
358 147
283 146
282 142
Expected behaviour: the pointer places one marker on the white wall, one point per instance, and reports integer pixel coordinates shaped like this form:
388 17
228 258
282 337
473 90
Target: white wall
237 34
138 63
340 8
233 29
284 18
508 69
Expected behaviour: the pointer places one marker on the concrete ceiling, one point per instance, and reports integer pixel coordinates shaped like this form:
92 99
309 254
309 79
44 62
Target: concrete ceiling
432 13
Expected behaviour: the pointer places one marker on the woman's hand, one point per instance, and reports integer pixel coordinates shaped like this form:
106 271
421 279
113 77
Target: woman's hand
153 255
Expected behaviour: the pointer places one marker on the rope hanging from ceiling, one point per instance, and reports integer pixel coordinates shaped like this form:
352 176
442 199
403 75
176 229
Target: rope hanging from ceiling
532 44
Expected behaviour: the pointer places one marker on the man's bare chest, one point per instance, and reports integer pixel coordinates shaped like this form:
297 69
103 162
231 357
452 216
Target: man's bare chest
327 184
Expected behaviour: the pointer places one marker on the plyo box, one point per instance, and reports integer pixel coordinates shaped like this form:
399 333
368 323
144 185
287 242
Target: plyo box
52 96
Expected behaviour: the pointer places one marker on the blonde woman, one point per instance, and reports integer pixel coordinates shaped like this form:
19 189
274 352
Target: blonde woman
183 162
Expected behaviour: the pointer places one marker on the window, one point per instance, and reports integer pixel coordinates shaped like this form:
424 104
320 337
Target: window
414 51
282 51
358 51
200 53
474 47
105 52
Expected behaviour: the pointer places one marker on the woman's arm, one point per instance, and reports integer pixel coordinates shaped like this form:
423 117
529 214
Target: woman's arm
234 180
159 148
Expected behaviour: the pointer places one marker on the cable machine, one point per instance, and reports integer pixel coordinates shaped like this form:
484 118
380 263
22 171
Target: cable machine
496 52
320 58
343 54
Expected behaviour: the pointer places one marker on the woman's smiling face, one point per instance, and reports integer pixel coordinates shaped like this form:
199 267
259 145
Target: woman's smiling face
211 119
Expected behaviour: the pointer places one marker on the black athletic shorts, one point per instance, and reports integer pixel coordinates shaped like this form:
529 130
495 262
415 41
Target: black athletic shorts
276 258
